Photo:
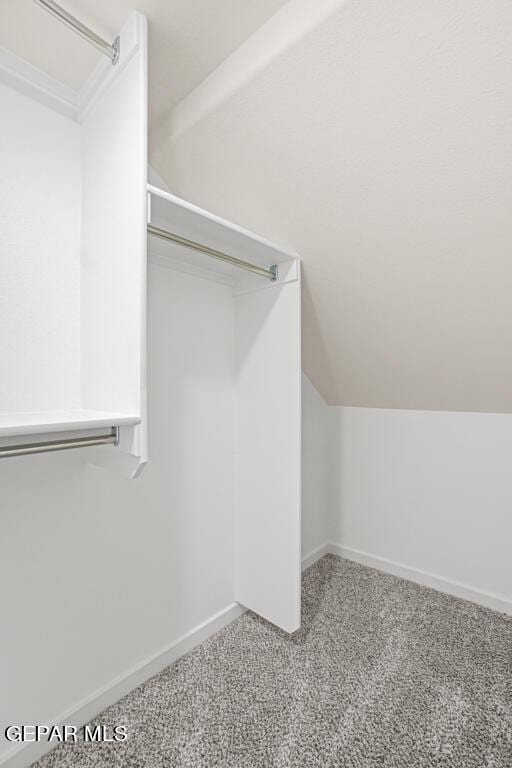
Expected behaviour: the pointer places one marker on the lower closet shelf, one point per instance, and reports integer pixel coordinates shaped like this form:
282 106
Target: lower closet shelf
41 422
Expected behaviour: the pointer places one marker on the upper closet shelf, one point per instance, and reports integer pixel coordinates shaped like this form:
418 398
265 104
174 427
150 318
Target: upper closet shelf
201 233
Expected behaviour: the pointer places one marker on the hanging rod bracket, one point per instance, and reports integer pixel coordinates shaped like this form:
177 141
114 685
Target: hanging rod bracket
116 45
275 271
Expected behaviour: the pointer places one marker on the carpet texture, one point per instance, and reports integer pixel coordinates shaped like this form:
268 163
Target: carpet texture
383 673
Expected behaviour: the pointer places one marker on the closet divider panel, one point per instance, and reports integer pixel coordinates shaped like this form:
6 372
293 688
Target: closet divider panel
268 450
114 242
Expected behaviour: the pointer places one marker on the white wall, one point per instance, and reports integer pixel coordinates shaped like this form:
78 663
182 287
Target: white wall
315 459
426 495
98 572
39 256
429 492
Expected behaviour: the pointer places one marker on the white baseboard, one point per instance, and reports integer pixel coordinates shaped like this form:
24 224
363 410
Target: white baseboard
80 714
314 555
456 588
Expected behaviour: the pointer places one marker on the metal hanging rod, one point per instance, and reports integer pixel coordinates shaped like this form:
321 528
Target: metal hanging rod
270 272
60 445
110 50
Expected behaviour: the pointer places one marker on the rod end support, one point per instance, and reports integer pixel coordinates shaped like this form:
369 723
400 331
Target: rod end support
116 45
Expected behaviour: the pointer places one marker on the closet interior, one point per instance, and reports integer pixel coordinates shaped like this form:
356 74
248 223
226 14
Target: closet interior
73 255
81 237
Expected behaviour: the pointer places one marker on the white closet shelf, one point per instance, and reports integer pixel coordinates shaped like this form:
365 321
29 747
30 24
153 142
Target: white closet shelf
171 213
12 424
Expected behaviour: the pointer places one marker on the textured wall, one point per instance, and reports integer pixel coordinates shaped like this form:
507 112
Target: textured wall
372 137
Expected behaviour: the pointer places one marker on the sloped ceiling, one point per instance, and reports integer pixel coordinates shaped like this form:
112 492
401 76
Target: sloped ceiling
374 137
187 39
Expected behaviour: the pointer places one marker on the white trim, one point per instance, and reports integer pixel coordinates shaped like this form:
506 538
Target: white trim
104 74
314 555
88 708
89 90
499 603
36 84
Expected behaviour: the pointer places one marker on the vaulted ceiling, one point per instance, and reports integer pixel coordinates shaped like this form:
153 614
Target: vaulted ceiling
187 39
373 137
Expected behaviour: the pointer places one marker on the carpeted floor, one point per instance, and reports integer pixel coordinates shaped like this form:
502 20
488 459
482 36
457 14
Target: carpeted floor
383 673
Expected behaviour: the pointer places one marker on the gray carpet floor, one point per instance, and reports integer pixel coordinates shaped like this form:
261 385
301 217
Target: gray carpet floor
383 673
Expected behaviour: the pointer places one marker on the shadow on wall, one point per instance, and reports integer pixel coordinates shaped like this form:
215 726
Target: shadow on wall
315 360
